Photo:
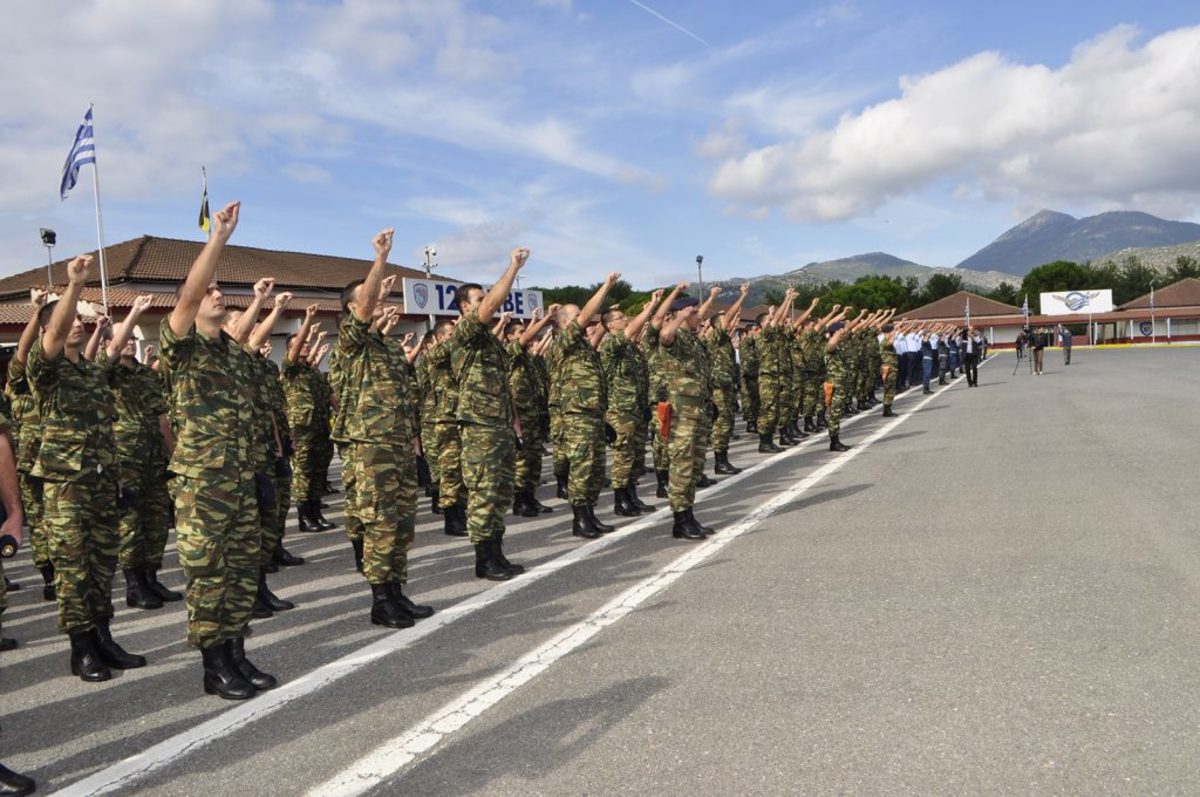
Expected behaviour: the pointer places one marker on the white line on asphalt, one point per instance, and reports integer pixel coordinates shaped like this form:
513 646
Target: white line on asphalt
390 758
125 772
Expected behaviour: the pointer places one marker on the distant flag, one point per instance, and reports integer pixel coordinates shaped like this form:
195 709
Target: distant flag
1152 297
968 310
1025 308
205 216
83 151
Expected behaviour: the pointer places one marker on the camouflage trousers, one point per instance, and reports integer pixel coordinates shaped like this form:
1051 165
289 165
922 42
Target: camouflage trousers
722 427
449 455
750 399
529 458
641 439
81 521
625 447
305 461
790 404
31 502
558 444
835 407
385 503
143 525
658 446
272 516
323 458
487 469
429 448
889 383
771 390
354 526
687 435
583 439
218 535
813 400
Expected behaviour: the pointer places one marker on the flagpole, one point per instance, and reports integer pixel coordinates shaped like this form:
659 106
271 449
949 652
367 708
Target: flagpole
99 224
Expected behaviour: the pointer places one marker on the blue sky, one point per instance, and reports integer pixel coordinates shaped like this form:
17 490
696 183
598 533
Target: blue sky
763 135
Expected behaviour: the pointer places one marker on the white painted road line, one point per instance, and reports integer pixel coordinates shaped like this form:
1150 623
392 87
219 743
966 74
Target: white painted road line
392 757
129 770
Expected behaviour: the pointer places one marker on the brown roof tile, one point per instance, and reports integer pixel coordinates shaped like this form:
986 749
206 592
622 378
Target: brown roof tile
168 259
955 306
1185 293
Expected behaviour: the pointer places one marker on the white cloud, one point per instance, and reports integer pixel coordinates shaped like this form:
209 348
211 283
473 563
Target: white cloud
1116 124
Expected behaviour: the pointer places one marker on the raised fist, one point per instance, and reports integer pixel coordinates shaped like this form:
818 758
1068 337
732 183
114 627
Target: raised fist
518 257
310 312
141 304
282 300
263 288
225 221
744 288
383 241
79 269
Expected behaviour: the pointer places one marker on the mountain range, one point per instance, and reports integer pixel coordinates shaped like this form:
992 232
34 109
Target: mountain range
1042 238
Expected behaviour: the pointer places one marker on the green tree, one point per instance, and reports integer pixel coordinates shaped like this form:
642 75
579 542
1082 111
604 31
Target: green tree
773 297
939 286
1005 292
1134 281
1185 267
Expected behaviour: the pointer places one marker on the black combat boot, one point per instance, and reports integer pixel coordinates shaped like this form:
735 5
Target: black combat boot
434 496
683 530
766 444
637 502
536 504
604 528
691 518
723 465
835 444
486 565
14 784
386 612
562 485
809 426
113 654
322 523
704 481
664 479
308 523
221 676
454 521
237 657
285 558
797 432
48 593
497 544
582 525
623 505
821 421
356 545
419 612
85 657
751 427
160 589
137 593
270 599
887 411
522 506
785 441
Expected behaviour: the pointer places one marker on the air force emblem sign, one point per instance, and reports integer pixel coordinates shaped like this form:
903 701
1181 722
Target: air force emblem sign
421 295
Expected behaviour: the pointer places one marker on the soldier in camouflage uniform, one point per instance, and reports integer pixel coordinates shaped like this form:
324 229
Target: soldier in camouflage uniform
525 388
301 391
447 443
143 439
10 500
77 465
216 510
485 420
28 438
772 375
642 433
583 401
376 419
628 400
748 355
890 368
837 375
658 388
426 405
688 391
720 349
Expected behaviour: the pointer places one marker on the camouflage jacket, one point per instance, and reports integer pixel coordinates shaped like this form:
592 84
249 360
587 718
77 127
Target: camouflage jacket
720 353
480 370
76 409
685 370
139 403
748 351
622 377
26 423
523 381
300 392
378 401
581 386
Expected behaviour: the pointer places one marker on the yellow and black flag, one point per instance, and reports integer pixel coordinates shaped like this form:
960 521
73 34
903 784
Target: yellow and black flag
205 216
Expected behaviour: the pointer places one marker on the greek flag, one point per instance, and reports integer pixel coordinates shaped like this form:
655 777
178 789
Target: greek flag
83 151
968 309
1151 298
1025 308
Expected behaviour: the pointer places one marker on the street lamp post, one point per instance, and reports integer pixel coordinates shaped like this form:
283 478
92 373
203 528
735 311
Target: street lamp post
430 265
700 272
49 238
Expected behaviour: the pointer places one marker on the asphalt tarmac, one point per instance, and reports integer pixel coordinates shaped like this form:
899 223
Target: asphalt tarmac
994 592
